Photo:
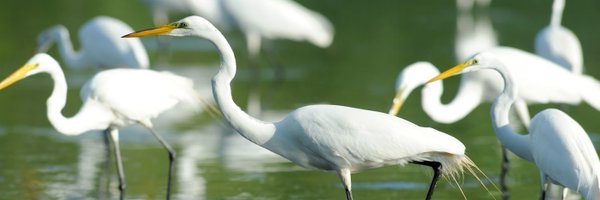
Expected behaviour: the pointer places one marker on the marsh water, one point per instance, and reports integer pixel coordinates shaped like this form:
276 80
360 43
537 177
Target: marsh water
373 41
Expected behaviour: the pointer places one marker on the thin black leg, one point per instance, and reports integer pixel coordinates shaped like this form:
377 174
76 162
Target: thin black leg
113 133
348 194
503 174
171 158
436 166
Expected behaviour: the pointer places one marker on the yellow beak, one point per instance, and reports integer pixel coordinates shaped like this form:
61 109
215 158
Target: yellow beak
160 30
397 102
451 72
17 75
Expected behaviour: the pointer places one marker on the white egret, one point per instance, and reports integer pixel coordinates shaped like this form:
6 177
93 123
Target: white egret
257 19
556 143
326 137
559 44
100 45
482 86
111 99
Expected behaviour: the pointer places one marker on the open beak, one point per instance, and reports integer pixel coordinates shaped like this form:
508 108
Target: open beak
160 30
397 102
452 71
17 75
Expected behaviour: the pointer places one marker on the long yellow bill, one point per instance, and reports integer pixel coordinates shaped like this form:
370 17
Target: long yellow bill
17 75
397 103
452 71
160 30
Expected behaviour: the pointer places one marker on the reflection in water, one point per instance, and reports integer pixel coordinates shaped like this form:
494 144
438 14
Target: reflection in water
91 154
196 147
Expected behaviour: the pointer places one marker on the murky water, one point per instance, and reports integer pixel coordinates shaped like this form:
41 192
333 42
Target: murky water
374 40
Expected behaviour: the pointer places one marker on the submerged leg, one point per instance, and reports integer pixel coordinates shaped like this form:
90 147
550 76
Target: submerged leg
171 156
503 172
436 166
345 176
114 137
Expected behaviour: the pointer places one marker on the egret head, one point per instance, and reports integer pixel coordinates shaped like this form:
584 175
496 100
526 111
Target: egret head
409 79
192 25
475 63
46 38
41 62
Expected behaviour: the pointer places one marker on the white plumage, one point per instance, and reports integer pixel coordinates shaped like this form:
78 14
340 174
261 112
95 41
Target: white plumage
559 44
556 143
326 137
557 85
100 44
111 99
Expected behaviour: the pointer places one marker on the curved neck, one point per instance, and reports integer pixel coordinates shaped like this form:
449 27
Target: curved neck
500 111
557 11
251 128
65 47
468 97
57 101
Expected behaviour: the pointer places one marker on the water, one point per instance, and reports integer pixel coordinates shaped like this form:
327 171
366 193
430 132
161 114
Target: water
373 41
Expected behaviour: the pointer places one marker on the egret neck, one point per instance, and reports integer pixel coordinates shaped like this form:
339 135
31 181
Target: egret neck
251 128
500 111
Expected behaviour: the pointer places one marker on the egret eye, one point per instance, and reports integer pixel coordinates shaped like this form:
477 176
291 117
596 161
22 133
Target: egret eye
474 62
182 25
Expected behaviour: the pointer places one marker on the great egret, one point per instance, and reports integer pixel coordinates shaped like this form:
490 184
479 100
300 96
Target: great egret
482 86
559 44
100 45
326 137
257 19
111 99
556 143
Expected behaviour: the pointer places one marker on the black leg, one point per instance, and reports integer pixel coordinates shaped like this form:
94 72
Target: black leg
171 158
543 196
348 194
544 187
113 136
503 174
436 166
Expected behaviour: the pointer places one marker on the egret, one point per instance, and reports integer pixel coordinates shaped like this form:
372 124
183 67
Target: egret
559 44
557 144
257 19
326 137
483 86
100 45
111 99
